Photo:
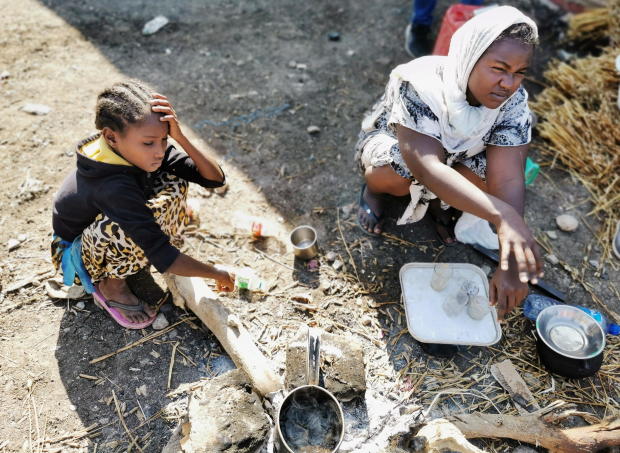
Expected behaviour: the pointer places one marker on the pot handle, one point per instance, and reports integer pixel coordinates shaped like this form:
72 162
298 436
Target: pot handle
313 364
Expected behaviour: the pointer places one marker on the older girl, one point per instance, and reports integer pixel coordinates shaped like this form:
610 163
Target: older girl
457 129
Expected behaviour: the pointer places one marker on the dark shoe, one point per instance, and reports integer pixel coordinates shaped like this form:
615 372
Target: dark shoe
418 40
366 213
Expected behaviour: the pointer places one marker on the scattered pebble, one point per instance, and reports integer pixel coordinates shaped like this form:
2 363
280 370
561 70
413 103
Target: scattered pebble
80 305
594 263
292 64
160 322
12 244
313 130
331 256
141 391
567 222
72 407
22 237
552 259
337 264
155 354
366 321
350 52
154 25
5 75
36 109
301 66
552 234
333 36
346 209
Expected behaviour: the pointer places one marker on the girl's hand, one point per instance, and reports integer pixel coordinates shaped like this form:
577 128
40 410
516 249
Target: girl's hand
224 281
517 241
161 104
506 291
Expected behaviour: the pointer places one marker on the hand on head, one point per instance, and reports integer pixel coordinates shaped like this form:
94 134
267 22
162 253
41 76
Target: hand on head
161 104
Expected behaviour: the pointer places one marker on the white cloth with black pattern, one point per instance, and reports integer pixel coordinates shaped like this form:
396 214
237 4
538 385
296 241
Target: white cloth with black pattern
400 104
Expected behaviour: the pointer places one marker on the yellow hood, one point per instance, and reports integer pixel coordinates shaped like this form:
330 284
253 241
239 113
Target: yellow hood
99 150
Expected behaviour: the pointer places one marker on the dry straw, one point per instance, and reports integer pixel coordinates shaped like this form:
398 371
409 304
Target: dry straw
581 128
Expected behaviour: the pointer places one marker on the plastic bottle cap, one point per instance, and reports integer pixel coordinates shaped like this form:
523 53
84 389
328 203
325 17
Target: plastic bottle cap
613 329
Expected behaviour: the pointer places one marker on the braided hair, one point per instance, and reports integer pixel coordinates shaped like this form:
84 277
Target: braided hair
122 104
521 32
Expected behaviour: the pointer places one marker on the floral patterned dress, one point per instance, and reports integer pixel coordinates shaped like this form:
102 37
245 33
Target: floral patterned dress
378 145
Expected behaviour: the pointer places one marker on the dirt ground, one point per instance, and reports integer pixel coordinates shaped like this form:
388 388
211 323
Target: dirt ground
228 68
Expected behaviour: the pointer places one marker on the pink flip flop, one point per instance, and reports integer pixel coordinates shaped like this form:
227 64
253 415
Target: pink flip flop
112 308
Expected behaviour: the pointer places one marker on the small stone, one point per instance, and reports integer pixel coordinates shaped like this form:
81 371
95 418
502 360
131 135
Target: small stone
72 407
552 259
292 64
333 36
366 321
331 257
552 234
337 264
160 322
5 75
350 52
155 354
36 109
12 244
346 209
168 51
80 305
154 25
594 263
301 66
313 130
567 222
141 391
22 237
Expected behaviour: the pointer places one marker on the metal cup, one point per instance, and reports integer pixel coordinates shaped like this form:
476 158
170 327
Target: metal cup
311 390
303 239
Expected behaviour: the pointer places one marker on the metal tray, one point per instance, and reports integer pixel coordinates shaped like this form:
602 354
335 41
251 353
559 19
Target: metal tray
426 320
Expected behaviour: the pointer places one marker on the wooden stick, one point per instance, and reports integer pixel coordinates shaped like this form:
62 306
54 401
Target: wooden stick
533 429
194 294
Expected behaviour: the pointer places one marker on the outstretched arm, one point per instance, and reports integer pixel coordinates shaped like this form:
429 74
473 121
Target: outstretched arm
503 207
187 266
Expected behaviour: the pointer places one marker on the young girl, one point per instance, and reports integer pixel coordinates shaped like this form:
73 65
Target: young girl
457 129
124 206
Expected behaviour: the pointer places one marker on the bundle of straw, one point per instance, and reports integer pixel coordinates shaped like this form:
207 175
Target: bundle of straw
597 24
581 128
591 25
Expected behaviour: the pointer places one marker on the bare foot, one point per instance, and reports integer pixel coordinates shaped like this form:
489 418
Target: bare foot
371 221
117 290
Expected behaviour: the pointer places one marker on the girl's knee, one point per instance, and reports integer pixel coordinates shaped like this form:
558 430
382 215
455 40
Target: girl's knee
385 180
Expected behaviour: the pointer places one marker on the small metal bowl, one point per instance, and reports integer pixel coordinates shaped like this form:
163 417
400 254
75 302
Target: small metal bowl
569 342
570 332
303 239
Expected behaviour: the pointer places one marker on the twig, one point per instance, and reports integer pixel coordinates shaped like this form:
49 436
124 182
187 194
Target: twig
141 340
347 247
260 252
120 416
174 350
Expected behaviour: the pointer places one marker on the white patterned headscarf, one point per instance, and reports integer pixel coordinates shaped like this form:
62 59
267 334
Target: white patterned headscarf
441 81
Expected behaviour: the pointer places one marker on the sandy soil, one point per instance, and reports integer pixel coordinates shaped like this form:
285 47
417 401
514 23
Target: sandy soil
227 66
